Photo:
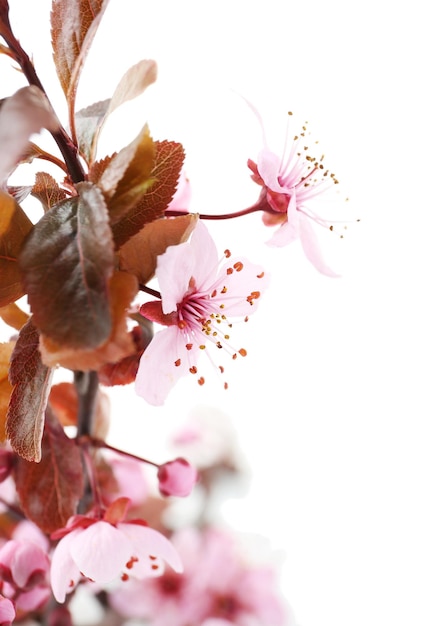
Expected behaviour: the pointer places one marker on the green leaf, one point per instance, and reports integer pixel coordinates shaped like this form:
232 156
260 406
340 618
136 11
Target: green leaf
49 491
66 262
14 227
169 158
31 381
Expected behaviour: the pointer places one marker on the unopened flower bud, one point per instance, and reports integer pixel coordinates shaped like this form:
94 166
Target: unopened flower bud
177 478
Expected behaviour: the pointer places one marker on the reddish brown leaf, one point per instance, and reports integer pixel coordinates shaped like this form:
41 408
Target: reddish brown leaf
47 190
139 255
31 381
124 371
98 167
128 175
73 26
14 227
63 400
49 491
67 261
166 169
122 287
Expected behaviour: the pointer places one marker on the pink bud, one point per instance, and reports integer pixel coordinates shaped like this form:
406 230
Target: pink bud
177 478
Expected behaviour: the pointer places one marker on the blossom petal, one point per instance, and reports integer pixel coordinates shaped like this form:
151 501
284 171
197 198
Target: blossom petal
151 548
239 285
101 552
311 247
284 235
289 231
64 574
268 165
7 611
29 559
174 270
205 256
157 373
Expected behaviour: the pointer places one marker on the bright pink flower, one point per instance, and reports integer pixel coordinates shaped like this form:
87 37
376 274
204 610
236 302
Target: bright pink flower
218 587
177 478
104 549
24 568
290 184
7 612
199 295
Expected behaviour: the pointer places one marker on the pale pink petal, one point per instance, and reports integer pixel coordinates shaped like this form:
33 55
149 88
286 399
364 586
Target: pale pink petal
130 478
7 611
101 552
283 236
33 599
240 284
151 548
27 531
28 560
289 231
182 197
157 373
311 247
174 270
64 574
26 112
268 165
205 256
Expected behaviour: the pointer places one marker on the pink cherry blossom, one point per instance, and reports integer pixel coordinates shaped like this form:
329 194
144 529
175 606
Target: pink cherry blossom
290 184
24 568
219 587
7 611
104 549
177 478
199 297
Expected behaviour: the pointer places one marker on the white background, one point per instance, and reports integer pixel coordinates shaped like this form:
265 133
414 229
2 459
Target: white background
328 403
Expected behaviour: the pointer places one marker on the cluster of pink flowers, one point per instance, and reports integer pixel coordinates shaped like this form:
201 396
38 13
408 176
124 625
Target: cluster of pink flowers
218 587
112 224
24 571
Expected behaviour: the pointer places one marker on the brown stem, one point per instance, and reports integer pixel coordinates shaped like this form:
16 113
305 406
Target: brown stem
86 384
62 139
